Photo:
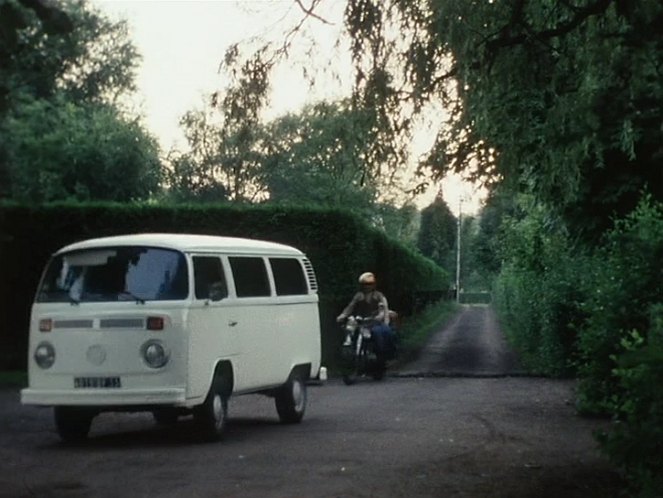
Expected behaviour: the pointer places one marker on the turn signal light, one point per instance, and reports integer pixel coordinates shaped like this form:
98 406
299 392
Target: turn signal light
45 325
155 323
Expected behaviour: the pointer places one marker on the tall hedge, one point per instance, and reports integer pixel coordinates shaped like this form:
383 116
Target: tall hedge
339 244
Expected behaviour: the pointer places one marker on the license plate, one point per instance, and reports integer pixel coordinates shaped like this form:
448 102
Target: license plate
97 382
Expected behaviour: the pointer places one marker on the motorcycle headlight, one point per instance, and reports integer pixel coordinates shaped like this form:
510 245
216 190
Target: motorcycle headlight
154 354
44 355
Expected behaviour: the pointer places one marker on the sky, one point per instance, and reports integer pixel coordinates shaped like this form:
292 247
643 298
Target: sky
182 43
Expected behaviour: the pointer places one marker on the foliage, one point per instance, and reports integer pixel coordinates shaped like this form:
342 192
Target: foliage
191 180
594 309
58 150
63 134
400 223
558 99
313 157
486 241
339 244
64 47
225 140
596 312
316 156
437 235
624 281
635 440
13 379
537 293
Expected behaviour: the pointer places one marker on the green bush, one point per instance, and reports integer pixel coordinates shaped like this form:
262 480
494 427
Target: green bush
620 361
599 311
536 293
625 280
635 441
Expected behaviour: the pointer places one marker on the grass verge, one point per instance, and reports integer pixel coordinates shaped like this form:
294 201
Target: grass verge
13 378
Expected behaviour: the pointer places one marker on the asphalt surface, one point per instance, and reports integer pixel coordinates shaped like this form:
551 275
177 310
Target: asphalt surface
435 428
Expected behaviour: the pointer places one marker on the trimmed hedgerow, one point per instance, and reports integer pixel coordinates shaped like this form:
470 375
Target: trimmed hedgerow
339 244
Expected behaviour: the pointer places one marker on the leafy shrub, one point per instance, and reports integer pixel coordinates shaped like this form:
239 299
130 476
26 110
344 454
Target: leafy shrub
602 312
635 441
536 293
624 281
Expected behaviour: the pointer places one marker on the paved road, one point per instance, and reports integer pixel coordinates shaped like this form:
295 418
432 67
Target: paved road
411 436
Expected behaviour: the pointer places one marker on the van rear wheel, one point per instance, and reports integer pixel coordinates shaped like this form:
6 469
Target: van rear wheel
210 417
72 423
291 400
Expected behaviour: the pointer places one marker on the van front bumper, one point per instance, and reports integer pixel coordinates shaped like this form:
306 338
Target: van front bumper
103 397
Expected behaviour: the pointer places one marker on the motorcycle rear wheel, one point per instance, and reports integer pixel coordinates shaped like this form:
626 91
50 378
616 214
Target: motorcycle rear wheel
379 370
350 379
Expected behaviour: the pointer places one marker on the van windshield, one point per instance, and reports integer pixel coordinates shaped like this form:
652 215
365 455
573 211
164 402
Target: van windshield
115 274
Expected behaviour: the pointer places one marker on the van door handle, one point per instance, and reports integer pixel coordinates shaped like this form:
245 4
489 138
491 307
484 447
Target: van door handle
232 323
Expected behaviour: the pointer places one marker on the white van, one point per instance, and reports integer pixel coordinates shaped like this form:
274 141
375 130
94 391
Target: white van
173 324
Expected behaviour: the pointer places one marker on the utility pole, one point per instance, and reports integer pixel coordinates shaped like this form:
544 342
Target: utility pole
460 207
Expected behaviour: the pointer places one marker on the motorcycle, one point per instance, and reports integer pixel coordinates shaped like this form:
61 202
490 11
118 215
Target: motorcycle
358 352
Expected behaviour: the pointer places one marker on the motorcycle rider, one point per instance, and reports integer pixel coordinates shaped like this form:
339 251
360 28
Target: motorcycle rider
369 302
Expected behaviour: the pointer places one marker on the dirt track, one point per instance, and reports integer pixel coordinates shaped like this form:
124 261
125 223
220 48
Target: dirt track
471 345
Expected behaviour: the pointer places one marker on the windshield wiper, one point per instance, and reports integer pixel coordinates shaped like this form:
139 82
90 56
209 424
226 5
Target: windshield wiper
139 300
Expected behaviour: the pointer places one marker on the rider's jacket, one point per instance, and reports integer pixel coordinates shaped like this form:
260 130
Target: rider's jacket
373 304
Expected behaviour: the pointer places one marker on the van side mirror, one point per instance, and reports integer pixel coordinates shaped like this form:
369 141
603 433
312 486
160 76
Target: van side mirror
218 291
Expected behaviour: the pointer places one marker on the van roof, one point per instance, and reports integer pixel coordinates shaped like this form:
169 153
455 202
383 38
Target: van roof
187 242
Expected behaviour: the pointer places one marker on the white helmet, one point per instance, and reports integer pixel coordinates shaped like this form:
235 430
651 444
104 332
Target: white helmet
367 278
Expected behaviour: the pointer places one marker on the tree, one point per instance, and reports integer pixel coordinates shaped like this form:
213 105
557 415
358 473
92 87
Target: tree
401 223
64 47
437 235
486 249
560 99
15 16
64 134
316 156
60 150
225 139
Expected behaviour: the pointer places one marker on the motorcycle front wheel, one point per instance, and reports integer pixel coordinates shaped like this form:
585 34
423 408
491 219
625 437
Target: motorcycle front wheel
355 367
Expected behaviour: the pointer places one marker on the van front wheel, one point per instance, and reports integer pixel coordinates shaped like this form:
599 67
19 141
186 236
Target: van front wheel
291 400
210 417
72 423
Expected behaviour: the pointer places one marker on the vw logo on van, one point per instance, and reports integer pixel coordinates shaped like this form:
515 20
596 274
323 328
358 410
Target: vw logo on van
96 354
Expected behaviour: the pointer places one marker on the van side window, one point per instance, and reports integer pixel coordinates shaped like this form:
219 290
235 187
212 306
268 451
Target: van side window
210 282
288 276
250 276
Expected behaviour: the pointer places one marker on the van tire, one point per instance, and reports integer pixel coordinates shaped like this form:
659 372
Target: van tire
210 417
72 423
291 400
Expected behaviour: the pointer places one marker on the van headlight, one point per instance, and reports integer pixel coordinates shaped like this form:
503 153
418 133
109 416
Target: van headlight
44 355
154 354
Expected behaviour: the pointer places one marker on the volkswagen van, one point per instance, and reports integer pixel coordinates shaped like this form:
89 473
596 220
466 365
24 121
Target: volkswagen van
174 324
